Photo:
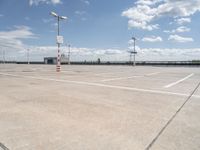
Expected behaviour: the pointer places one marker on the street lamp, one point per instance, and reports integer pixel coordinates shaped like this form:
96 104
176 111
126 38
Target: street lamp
134 51
69 54
59 38
28 56
4 56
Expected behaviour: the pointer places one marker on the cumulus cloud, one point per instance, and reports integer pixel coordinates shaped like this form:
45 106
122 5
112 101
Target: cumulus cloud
140 17
179 8
167 31
152 39
169 54
180 39
181 21
37 2
92 54
180 29
37 53
148 2
13 38
77 53
145 12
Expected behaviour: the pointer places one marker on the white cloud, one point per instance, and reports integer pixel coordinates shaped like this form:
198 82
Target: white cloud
19 32
148 2
142 25
146 12
180 29
131 42
48 20
178 8
107 52
82 15
151 54
152 39
56 1
1 15
180 39
168 54
27 18
37 53
140 17
80 12
167 31
86 2
181 21
37 2
13 39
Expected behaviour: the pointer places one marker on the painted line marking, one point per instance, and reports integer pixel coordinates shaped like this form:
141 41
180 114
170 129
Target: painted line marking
154 73
103 85
122 78
105 73
179 81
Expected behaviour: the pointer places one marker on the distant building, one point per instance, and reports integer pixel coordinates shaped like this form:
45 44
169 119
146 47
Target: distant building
53 60
50 60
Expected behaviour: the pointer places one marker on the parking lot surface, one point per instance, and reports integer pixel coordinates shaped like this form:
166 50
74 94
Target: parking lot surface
99 107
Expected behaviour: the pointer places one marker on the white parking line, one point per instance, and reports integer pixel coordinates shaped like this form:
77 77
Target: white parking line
106 73
103 85
122 78
154 73
177 82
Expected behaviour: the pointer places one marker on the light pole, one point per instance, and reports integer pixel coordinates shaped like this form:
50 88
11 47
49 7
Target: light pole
59 39
134 51
28 57
4 56
69 54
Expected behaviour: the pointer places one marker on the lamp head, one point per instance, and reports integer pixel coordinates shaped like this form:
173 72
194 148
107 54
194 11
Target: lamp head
63 17
54 14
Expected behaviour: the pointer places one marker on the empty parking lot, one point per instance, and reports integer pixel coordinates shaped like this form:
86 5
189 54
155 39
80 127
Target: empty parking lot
99 107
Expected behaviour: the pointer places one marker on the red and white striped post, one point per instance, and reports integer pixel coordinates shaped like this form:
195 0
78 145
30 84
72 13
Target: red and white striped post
59 40
58 66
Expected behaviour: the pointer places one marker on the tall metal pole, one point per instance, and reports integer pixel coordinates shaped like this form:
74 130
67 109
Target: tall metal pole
28 56
4 57
131 62
134 51
58 67
69 54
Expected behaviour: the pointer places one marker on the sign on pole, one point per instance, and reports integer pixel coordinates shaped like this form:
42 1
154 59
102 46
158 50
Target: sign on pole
59 39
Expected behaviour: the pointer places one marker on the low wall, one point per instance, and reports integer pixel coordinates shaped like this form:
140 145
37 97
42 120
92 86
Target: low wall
139 63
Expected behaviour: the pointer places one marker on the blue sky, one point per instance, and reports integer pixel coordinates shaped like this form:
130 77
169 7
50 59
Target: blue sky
165 29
